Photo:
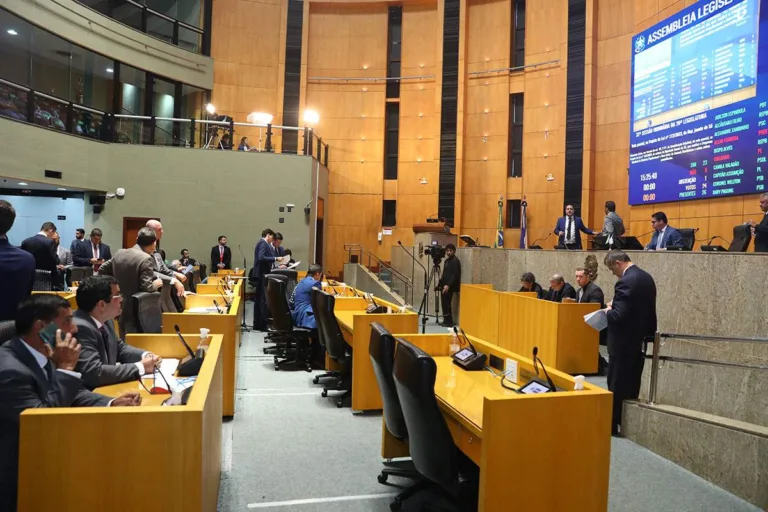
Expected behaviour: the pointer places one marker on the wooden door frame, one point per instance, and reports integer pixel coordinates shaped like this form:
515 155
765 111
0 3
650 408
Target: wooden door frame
126 220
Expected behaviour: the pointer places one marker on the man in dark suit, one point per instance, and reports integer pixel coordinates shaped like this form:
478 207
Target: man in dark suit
631 322
450 283
104 358
221 255
91 253
17 267
590 292
263 258
664 235
760 230
168 276
559 289
79 236
277 244
568 228
43 249
37 370
135 273
528 284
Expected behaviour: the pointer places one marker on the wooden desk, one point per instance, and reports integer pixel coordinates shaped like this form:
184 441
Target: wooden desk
518 441
108 458
229 272
355 324
69 296
519 321
226 324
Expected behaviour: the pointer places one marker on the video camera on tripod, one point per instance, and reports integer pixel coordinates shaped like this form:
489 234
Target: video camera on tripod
437 252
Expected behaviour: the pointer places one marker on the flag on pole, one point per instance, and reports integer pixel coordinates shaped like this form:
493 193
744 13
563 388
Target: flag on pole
500 225
523 224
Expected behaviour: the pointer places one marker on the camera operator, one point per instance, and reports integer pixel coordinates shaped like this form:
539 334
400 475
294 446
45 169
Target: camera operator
450 282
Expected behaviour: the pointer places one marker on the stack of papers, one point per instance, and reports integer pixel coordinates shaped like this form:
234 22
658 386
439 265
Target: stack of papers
597 320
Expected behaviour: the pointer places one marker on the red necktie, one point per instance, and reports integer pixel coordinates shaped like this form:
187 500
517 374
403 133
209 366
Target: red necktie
221 254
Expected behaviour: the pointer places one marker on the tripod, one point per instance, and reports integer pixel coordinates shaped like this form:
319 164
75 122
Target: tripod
433 276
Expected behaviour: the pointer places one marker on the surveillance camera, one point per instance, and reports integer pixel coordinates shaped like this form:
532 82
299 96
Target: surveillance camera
120 192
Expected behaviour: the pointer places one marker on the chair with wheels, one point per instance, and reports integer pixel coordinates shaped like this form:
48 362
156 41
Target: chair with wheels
689 238
382 351
338 350
43 281
147 314
315 299
292 277
272 336
7 330
433 451
296 349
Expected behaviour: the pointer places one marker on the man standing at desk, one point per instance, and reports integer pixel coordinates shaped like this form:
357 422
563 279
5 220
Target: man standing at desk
221 256
631 321
263 258
664 235
43 249
105 359
34 375
17 267
568 228
590 292
450 283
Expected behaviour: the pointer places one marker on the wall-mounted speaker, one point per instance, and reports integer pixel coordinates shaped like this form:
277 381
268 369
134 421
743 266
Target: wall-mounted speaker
97 199
98 208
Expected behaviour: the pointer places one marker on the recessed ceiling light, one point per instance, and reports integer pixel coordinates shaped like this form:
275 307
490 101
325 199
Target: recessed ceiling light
60 188
12 32
110 70
23 183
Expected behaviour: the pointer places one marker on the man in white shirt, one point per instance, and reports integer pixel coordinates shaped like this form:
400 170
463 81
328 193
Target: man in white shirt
37 371
105 359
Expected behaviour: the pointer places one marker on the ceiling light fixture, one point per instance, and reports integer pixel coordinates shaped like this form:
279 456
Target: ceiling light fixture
23 183
61 188
110 70
12 32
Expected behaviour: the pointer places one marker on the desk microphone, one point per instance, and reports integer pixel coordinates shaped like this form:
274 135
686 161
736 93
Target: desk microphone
535 359
190 365
223 297
471 346
245 263
219 311
534 246
411 255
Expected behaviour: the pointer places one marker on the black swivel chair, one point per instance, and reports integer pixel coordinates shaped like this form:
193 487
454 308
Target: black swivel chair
274 337
147 312
382 351
292 277
742 236
296 349
43 281
689 238
315 299
337 349
433 451
7 330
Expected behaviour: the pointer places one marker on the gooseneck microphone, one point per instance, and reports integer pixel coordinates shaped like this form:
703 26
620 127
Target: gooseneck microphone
411 255
190 365
552 386
218 310
245 263
466 339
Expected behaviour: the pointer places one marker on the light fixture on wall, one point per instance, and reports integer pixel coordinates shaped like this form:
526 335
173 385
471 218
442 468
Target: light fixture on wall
311 116
61 188
365 89
362 138
549 177
365 66
486 111
423 181
210 108
418 160
260 118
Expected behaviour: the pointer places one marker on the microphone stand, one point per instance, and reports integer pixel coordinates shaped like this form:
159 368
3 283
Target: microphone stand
423 305
244 326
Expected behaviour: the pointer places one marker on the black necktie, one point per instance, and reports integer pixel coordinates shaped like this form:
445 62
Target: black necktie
48 368
105 338
569 230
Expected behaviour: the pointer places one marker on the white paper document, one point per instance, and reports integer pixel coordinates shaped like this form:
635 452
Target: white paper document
597 320
294 265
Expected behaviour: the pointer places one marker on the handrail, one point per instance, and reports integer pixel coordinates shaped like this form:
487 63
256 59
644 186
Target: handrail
407 282
368 79
515 68
657 357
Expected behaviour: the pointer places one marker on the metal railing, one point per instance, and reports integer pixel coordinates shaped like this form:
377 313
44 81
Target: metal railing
399 282
660 340
26 105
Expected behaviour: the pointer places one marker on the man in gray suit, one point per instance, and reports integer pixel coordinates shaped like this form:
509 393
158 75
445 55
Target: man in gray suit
35 375
613 226
105 359
175 279
134 272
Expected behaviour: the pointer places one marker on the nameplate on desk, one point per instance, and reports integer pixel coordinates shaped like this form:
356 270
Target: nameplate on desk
204 310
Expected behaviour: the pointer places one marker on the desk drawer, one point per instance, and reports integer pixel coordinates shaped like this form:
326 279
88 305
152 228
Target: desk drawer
471 445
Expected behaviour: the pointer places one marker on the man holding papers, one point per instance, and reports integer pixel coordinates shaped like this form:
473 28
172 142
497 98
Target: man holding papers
104 358
631 321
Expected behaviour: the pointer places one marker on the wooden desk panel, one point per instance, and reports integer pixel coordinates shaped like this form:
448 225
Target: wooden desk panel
69 296
229 326
499 429
479 312
95 454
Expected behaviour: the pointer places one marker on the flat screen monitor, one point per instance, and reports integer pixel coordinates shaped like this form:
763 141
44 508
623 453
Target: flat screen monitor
699 104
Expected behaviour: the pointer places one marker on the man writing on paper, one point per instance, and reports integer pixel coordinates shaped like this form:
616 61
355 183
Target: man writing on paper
631 321
105 359
37 371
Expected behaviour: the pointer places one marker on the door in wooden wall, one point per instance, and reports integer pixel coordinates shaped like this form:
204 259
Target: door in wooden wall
131 227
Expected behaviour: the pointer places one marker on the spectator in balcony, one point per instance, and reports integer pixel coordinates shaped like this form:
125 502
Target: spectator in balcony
225 142
244 145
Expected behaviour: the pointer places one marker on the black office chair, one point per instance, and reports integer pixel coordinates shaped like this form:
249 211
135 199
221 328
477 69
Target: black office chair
43 281
315 300
742 236
337 348
292 277
296 350
179 303
689 238
433 451
147 313
274 337
7 330
382 351
78 274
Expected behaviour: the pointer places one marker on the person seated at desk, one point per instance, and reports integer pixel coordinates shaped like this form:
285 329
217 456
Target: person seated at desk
34 375
288 253
559 289
244 145
105 359
302 313
590 292
185 261
664 235
529 284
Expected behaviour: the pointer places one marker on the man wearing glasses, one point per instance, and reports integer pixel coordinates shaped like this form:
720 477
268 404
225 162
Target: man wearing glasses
664 235
105 359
